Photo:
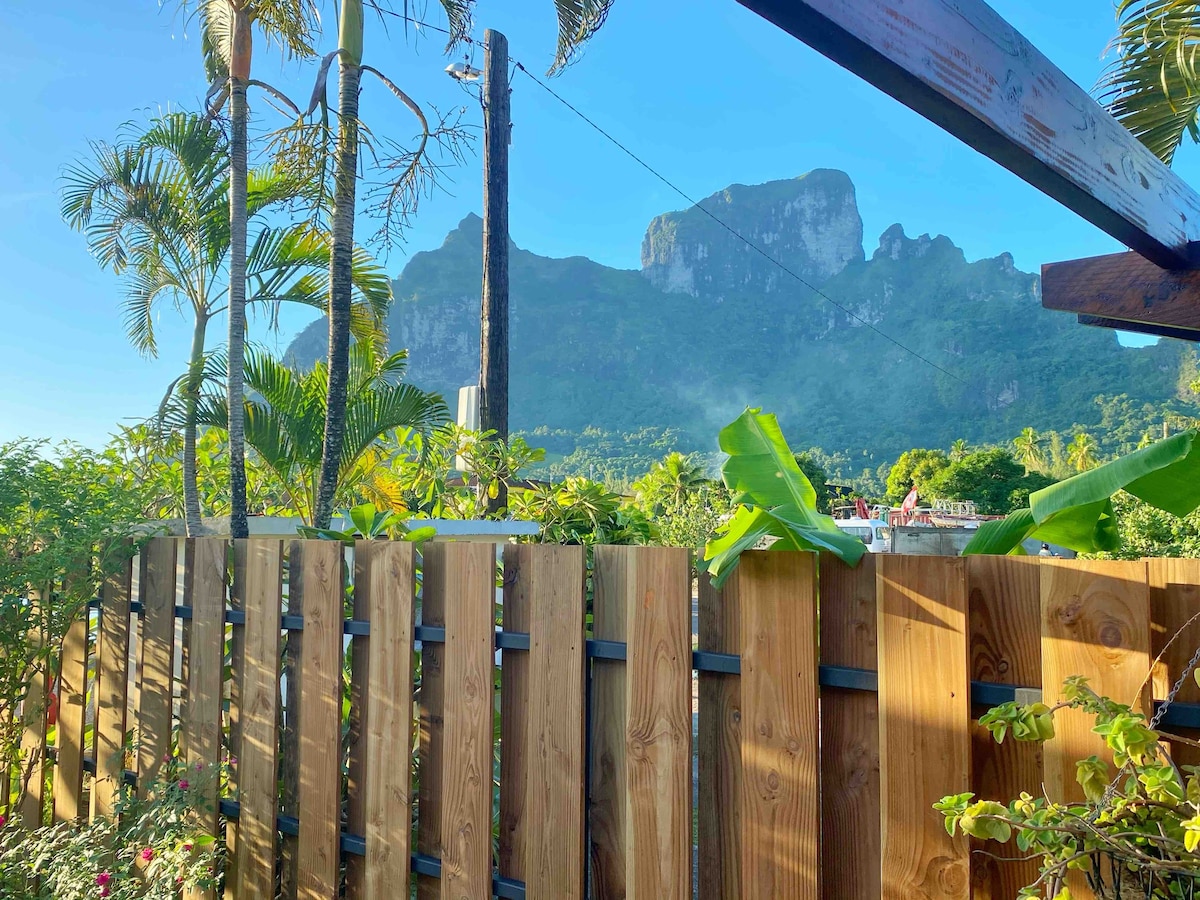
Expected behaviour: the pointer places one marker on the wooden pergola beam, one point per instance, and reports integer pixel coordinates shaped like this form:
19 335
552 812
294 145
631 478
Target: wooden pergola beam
1182 334
964 68
1127 289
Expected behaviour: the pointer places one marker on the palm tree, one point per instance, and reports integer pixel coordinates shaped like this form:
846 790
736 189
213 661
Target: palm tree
577 21
228 34
1153 85
1028 445
154 209
1081 452
285 418
959 448
669 482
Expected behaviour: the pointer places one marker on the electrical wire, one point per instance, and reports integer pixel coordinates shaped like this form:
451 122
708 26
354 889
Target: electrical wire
695 203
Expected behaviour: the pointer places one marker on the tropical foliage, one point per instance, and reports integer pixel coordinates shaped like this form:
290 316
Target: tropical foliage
1134 835
774 500
285 423
1152 86
1079 512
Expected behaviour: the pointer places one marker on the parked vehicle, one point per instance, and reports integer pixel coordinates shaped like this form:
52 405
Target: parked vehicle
874 533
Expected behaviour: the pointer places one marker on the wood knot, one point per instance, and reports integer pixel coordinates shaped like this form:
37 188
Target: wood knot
1111 635
1070 611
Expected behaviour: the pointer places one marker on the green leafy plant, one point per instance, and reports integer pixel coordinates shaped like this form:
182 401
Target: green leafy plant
369 524
1079 513
1136 832
774 499
149 849
578 511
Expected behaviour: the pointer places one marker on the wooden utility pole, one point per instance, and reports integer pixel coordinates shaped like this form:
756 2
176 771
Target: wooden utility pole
493 338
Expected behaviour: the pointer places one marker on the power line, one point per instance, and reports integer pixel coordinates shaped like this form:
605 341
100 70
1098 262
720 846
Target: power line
695 203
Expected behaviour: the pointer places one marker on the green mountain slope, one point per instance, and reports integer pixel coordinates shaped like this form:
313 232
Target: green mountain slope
710 326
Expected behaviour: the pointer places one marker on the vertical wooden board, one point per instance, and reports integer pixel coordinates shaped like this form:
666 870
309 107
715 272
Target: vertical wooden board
33 749
1004 599
290 697
514 709
430 711
208 558
780 798
850 826
466 834
719 747
320 727
236 635
554 759
156 673
386 574
924 741
112 682
72 720
260 586
356 724
1174 601
1095 623
607 815
658 732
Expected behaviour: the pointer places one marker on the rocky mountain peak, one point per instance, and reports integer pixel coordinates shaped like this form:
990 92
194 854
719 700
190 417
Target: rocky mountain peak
810 224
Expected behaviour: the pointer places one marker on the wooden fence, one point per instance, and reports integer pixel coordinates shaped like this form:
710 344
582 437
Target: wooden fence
834 706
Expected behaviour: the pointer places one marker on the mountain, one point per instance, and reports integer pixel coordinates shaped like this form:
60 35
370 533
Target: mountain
710 325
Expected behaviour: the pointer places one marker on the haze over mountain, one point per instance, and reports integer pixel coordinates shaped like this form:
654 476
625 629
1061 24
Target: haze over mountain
709 326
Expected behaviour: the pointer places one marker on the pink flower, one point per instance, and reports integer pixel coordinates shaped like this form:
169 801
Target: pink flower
183 784
199 767
104 891
3 821
103 879
147 854
187 848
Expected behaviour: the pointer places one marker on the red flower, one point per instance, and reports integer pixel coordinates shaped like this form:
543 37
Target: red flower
183 784
187 848
103 879
147 854
104 891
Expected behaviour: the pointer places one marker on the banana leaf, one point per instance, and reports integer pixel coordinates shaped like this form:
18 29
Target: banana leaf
1078 512
774 499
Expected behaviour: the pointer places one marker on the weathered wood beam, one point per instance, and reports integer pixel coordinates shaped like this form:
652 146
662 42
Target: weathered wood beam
1124 287
964 68
1182 334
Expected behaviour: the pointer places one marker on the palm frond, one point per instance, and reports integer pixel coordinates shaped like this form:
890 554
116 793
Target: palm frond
371 414
1153 85
291 25
146 284
578 20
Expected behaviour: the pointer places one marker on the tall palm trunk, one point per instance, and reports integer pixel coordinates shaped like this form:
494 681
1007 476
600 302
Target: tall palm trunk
239 78
191 395
341 259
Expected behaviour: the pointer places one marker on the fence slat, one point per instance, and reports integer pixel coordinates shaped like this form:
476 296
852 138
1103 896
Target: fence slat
112 683
466 833
260 586
849 733
1095 623
514 712
924 701
608 813
1005 626
386 574
33 740
781 798
430 710
658 732
1174 600
237 664
320 731
554 746
72 720
156 675
206 655
719 747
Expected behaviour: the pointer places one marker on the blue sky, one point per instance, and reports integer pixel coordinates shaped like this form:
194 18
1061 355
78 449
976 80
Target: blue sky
703 90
